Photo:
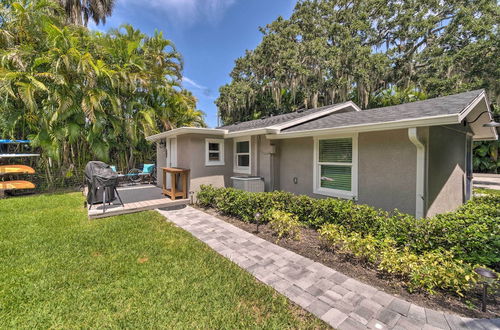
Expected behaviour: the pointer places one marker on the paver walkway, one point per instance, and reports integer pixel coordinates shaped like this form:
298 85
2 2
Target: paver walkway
488 181
339 300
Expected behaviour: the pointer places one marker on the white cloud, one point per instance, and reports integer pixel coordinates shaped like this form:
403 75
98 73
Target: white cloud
189 12
195 85
192 83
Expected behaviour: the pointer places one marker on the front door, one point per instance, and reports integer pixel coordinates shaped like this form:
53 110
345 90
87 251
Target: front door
171 156
468 168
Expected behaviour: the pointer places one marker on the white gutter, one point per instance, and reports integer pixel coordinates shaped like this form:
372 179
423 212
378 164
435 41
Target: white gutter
186 130
248 132
397 124
420 186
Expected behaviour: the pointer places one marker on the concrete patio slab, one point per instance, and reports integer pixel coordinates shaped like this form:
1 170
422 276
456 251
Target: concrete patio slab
136 198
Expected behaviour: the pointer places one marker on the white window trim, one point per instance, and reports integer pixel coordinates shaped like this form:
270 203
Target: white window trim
220 162
242 169
317 189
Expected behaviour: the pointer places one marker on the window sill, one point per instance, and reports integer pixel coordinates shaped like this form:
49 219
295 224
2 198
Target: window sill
215 164
334 193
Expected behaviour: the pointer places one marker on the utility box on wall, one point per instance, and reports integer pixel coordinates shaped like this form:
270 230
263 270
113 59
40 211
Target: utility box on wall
248 183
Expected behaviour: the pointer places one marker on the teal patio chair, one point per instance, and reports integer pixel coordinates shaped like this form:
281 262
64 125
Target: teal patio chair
121 176
135 175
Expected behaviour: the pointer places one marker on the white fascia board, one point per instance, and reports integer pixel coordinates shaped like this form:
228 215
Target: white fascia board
248 132
486 138
463 115
397 124
315 115
472 105
186 130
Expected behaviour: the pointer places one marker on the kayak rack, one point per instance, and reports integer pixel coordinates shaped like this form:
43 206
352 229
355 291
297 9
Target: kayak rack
15 169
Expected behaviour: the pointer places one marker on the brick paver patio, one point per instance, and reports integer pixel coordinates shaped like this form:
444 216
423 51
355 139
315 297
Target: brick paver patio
337 299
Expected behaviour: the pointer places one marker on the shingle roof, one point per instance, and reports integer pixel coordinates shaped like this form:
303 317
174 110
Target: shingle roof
276 120
446 105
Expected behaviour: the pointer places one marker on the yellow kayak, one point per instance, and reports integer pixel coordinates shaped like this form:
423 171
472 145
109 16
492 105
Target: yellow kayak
16 169
14 185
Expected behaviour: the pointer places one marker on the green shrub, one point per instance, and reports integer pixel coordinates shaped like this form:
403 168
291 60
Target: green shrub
430 271
472 232
439 270
284 224
206 196
235 202
351 243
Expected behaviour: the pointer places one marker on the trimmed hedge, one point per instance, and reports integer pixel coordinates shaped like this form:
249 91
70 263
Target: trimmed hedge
472 233
429 271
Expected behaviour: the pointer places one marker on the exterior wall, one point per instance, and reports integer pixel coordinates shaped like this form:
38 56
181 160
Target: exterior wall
161 161
186 153
386 166
265 158
254 155
260 160
191 155
296 161
446 168
386 169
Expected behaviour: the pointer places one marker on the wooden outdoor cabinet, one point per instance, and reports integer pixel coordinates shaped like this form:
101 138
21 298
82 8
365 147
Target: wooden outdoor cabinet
176 175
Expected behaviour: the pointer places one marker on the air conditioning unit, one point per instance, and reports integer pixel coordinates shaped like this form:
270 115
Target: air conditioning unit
248 183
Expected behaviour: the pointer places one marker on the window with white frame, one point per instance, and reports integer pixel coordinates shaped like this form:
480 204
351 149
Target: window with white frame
335 168
214 152
242 151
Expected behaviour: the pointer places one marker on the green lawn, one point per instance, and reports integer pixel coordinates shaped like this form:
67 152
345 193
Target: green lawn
61 270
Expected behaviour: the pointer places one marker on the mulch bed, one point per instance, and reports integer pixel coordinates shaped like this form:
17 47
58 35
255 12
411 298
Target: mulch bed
311 246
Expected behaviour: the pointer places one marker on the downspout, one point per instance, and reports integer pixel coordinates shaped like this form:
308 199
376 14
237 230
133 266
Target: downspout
420 186
257 158
271 165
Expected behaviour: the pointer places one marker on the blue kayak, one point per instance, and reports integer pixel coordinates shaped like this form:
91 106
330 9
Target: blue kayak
14 141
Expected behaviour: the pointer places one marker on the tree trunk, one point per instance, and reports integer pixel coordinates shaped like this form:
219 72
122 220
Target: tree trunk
131 161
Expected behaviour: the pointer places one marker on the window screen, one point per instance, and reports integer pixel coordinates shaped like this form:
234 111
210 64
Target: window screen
335 164
335 151
242 156
213 146
242 147
336 177
214 152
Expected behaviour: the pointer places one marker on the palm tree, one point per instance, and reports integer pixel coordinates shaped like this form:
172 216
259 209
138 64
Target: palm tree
81 95
80 11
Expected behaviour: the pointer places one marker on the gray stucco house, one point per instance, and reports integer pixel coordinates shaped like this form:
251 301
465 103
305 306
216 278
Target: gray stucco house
415 157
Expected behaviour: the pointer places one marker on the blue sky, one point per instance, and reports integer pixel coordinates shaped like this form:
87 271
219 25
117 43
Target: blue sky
210 35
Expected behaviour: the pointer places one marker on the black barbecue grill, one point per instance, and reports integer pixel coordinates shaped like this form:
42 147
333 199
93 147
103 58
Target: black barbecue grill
101 182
